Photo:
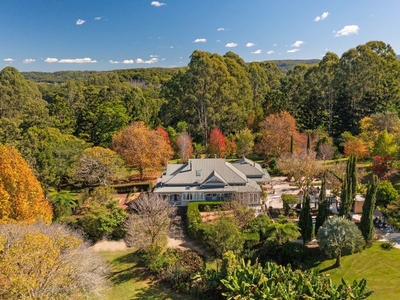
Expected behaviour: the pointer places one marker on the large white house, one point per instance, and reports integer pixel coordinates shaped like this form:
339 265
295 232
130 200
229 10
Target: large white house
213 179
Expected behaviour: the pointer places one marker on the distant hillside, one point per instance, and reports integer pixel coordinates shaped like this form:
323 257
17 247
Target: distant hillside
140 73
398 56
286 64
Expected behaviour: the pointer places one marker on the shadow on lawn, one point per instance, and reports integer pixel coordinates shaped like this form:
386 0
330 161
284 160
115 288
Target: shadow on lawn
150 293
133 272
328 268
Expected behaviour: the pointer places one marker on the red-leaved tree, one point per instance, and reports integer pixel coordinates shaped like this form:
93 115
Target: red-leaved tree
381 165
216 143
164 134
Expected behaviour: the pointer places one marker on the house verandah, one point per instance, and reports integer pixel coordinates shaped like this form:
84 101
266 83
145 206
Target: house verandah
212 180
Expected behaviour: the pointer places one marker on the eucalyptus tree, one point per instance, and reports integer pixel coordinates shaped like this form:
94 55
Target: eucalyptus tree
319 94
294 90
21 100
366 82
214 91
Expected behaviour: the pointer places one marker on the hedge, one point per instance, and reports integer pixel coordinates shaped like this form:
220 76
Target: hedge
195 226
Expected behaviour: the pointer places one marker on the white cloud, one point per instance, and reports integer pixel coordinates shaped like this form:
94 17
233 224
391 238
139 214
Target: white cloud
80 22
51 60
274 45
158 4
221 29
150 61
218 41
128 61
231 45
270 52
250 44
321 17
347 30
28 60
97 18
297 44
257 51
113 61
85 60
202 40
8 60
293 50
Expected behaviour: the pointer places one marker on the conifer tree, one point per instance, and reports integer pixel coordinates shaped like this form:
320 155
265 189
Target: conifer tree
305 220
323 205
366 225
349 187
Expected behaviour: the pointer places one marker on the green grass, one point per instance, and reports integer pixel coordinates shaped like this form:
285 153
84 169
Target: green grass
380 268
128 281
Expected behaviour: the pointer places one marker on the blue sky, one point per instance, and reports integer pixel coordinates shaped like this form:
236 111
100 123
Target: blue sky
54 35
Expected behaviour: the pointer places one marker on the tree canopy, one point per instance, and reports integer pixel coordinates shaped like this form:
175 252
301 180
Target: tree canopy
142 147
338 236
22 197
47 262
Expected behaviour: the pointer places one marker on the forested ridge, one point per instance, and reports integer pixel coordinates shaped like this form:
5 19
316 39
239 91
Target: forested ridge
141 73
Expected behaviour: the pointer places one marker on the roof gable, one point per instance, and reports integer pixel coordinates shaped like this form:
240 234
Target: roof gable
214 179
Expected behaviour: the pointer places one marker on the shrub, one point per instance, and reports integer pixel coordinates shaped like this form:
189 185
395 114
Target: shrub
251 239
293 253
194 223
388 245
179 267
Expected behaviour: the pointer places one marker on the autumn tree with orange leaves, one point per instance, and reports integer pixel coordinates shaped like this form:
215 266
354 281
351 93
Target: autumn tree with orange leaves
276 131
142 147
21 195
357 147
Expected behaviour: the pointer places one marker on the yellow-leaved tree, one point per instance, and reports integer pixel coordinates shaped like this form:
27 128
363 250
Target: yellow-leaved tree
43 262
21 195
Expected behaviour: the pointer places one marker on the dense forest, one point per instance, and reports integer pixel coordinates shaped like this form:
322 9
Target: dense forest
54 118
67 138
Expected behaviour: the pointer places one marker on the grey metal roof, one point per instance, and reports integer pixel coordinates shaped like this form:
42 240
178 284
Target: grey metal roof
252 170
214 179
196 171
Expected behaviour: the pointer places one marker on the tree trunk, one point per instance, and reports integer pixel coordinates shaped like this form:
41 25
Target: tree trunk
338 262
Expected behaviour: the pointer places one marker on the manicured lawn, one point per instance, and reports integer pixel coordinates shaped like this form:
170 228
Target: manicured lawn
132 282
380 268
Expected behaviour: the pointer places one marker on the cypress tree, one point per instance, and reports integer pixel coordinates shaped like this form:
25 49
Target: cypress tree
308 143
349 187
353 179
305 220
323 206
366 224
